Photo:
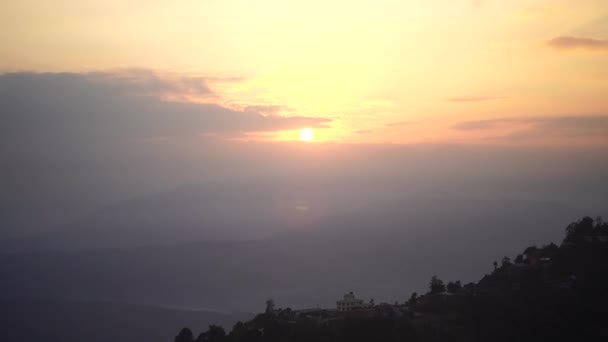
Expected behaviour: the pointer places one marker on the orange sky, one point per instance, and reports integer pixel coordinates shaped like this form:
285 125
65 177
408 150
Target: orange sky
455 71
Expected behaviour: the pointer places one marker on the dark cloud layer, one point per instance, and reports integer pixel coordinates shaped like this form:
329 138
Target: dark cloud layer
122 105
570 43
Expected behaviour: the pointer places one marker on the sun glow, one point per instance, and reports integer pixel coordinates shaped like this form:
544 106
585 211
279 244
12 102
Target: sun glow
307 134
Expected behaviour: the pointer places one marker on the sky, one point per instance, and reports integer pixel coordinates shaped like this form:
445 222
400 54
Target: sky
398 72
137 123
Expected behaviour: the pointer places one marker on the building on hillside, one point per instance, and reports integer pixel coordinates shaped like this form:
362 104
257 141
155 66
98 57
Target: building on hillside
350 302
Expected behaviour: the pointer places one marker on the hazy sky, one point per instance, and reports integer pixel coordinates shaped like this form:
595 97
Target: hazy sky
441 71
164 121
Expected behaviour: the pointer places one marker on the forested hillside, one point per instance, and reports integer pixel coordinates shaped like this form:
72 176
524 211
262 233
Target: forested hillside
547 293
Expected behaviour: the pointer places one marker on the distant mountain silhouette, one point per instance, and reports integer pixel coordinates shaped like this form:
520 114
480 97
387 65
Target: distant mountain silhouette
210 211
73 321
386 251
247 211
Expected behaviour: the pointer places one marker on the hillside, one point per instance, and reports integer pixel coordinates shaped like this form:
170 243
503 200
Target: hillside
72 321
549 293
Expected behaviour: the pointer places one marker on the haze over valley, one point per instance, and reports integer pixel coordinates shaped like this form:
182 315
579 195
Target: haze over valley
204 161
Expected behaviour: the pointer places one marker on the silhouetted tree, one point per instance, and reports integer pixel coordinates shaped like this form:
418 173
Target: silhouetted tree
213 334
549 251
519 259
185 335
469 288
216 334
436 285
239 330
601 227
495 265
413 299
506 261
454 287
530 253
577 231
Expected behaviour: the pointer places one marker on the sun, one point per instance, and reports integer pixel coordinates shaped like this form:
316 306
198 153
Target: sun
307 134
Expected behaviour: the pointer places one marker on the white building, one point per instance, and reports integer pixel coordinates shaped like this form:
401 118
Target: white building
350 302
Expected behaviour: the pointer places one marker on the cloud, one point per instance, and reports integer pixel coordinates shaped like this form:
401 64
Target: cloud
571 43
473 98
478 124
563 127
267 109
150 82
123 105
57 121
